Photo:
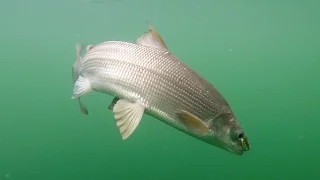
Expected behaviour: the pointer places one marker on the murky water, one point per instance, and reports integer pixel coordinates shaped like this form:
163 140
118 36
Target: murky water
263 56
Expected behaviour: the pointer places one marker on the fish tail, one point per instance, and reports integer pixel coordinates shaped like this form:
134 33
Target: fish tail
79 48
75 67
75 74
83 109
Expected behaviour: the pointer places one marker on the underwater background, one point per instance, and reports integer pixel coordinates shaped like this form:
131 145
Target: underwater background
263 56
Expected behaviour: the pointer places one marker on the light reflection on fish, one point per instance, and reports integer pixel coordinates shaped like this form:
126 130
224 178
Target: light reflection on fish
145 78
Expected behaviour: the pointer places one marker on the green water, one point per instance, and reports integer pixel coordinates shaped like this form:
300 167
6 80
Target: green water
263 56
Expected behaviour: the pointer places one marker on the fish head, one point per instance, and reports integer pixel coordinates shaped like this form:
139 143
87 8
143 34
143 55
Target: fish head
228 134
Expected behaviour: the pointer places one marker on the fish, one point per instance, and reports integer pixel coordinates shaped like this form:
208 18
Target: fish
145 78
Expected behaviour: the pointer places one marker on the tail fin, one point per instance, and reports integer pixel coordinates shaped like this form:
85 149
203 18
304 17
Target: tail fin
79 48
75 67
75 74
83 109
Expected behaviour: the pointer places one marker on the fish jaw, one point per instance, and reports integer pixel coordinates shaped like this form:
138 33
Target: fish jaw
222 136
222 142
224 133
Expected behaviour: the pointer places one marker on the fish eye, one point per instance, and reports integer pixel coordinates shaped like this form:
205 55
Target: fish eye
240 135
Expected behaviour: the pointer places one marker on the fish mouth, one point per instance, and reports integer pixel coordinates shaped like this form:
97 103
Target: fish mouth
241 148
245 144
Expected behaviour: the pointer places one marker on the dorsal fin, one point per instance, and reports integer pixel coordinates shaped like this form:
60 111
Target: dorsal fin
152 39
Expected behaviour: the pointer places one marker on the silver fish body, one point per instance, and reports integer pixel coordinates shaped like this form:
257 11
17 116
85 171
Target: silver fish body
165 87
161 82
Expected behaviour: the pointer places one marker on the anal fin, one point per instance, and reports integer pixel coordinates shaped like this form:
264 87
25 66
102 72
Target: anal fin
128 116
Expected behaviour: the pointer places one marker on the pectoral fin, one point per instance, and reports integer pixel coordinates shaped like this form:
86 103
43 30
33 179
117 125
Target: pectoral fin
128 116
152 39
193 123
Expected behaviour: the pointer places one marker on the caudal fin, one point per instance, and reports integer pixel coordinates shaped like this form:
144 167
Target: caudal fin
79 48
83 109
75 72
